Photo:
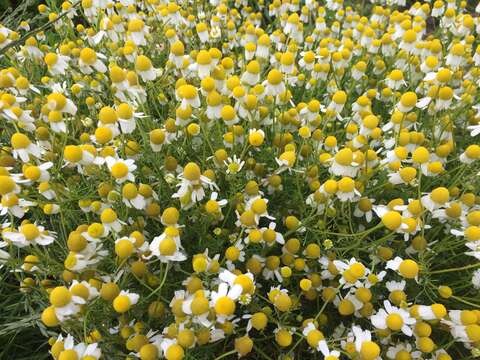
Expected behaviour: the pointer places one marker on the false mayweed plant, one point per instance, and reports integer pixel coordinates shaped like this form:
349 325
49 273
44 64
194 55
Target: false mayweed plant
221 179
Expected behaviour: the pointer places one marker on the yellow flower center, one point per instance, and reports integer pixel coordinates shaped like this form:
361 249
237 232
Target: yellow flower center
346 184
125 111
199 305
88 56
60 296
7 184
274 77
72 153
187 92
228 113
394 322
95 230
119 170
409 99
51 59
224 306
191 172
174 352
122 304
167 247
107 115
344 157
68 355
135 25
408 268
20 141
124 248
103 135
143 63
245 282
340 97
440 195
369 350
170 216
30 231
80 290
392 220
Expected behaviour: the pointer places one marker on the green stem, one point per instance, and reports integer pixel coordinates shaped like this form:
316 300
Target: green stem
161 284
262 353
35 31
231 352
471 266
466 302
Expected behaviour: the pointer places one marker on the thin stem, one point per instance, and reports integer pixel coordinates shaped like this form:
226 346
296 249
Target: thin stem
466 267
466 302
231 352
35 31
161 284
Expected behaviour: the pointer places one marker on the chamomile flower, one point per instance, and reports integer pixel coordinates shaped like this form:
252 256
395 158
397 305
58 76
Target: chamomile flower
56 101
137 31
471 154
171 349
57 63
437 198
347 190
364 344
188 95
33 173
270 236
214 206
90 61
83 289
343 164
30 48
124 301
127 118
430 312
326 352
395 80
407 102
229 115
274 84
251 76
234 165
246 281
407 268
404 349
364 207
144 68
339 99
23 147
223 301
29 234
65 304
393 318
177 51
121 170
455 57
167 247
193 183
351 271
110 221
12 204
8 184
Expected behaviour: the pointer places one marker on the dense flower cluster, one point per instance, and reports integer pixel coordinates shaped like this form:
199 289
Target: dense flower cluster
276 180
